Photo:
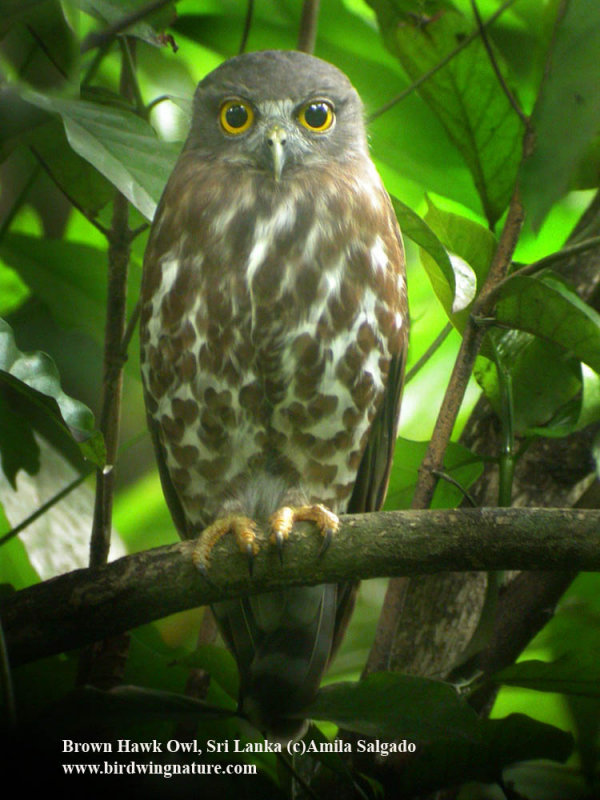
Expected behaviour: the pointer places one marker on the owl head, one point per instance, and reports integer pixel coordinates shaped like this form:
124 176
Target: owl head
277 111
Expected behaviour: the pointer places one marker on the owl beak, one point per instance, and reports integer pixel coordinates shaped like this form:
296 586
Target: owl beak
276 140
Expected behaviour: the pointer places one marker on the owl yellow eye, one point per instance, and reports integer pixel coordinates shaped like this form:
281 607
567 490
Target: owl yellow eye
236 116
317 116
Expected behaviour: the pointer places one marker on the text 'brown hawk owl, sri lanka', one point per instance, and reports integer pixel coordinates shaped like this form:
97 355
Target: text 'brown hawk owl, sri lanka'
274 331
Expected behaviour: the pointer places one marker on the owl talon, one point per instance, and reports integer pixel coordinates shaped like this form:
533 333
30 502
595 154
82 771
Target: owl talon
327 537
244 530
282 522
280 541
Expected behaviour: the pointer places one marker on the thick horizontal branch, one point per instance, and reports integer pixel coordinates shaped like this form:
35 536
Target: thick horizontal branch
90 604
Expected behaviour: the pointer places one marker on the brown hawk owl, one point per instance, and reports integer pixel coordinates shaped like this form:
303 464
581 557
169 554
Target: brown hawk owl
274 331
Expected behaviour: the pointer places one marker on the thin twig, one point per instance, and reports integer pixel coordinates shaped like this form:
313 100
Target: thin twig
119 250
118 258
549 260
140 229
441 64
39 512
157 100
130 329
492 57
101 38
440 473
95 63
307 35
128 50
247 26
431 350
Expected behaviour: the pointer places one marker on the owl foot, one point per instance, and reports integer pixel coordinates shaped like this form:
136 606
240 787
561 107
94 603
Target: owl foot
244 530
283 520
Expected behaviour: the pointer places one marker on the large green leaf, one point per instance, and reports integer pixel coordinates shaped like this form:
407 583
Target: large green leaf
76 177
566 116
71 279
34 379
466 96
113 11
119 144
575 672
419 231
543 376
470 248
451 743
386 703
546 307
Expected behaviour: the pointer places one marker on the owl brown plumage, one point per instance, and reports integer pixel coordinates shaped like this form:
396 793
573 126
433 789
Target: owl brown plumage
274 330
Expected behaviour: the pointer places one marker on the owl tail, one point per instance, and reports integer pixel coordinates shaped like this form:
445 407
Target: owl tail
282 642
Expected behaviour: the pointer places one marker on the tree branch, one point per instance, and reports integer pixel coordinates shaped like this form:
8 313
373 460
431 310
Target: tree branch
90 604
307 35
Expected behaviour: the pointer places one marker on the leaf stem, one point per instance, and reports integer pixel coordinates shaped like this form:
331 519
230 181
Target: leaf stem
492 57
431 350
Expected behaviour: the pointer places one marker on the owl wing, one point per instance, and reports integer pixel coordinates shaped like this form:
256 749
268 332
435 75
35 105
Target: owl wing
373 473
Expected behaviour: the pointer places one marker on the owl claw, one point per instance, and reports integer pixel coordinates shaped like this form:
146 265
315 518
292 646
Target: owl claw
327 537
244 530
282 522
279 541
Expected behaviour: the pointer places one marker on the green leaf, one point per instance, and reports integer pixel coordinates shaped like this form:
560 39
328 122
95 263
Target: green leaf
35 379
15 566
134 702
81 183
466 96
470 247
18 448
387 702
70 278
452 744
419 231
459 463
575 673
547 308
536 402
119 144
566 116
112 11
13 292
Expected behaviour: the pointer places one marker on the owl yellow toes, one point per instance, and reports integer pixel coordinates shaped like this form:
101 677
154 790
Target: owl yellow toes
283 520
244 530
